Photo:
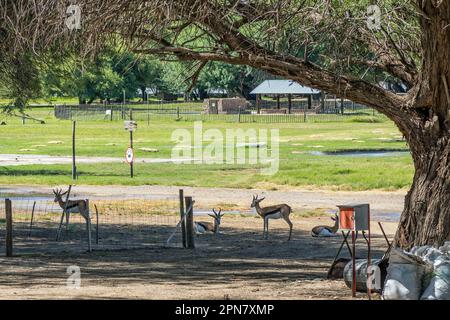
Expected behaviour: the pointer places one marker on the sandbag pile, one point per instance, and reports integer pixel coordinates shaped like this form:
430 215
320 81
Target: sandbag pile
423 273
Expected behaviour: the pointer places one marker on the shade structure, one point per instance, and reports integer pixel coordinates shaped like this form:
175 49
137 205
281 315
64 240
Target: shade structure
281 87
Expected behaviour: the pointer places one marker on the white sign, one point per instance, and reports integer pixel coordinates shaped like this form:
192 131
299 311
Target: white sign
130 125
129 155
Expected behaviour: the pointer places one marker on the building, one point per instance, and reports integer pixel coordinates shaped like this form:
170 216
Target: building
284 88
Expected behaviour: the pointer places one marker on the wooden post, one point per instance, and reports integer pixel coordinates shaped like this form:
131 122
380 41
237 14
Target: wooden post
9 228
278 101
239 114
309 102
289 103
322 101
258 103
96 229
88 226
32 218
183 221
74 166
342 106
189 223
335 104
178 112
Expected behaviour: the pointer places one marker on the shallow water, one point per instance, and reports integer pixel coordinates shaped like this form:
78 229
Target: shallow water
362 153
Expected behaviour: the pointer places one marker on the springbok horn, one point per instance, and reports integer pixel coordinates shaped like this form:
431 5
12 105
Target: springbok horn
214 210
214 217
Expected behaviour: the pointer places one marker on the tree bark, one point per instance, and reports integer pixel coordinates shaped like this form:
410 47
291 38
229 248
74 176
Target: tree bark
426 216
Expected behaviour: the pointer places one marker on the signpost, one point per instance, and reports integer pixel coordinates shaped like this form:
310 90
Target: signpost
131 126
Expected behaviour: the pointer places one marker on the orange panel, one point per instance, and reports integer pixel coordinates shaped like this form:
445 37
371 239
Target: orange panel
346 219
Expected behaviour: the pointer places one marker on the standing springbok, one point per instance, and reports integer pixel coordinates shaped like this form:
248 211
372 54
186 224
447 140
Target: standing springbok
273 212
203 227
326 231
73 206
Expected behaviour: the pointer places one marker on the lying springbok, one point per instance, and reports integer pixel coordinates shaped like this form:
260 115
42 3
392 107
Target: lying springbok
273 212
203 227
73 206
326 231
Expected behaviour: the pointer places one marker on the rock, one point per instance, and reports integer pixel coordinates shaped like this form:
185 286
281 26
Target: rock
149 149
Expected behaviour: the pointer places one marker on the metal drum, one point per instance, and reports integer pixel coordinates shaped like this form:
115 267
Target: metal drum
361 274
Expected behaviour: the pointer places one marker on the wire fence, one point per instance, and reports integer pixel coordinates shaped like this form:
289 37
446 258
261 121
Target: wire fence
329 110
115 224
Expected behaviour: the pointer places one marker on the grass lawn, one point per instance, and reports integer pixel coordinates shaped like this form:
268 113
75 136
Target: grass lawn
298 167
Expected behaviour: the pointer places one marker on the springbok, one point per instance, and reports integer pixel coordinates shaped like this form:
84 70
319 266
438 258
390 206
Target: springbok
203 227
326 231
73 206
273 212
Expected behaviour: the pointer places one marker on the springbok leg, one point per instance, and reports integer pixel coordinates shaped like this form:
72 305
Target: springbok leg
290 227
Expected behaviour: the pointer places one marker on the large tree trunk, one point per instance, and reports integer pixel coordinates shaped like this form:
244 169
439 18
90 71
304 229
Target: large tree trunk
426 216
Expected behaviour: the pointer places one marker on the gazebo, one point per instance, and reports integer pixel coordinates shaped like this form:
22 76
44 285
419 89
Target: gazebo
283 87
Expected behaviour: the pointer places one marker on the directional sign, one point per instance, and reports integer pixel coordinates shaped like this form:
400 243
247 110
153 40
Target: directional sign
130 125
129 155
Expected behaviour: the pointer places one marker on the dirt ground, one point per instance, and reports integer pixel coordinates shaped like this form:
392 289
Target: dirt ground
300 199
236 265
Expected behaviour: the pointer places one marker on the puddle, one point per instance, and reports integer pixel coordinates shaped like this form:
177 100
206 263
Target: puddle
362 153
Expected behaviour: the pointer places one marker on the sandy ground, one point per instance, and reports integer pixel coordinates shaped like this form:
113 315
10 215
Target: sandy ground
236 265
386 205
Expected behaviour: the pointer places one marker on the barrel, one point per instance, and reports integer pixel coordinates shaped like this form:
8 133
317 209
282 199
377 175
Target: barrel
361 273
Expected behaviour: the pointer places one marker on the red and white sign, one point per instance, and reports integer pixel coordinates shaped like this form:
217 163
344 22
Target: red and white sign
129 155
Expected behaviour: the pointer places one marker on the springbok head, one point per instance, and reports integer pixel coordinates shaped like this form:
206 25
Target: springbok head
217 216
335 218
58 194
256 201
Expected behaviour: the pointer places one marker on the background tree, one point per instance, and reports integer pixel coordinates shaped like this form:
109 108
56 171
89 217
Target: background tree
410 44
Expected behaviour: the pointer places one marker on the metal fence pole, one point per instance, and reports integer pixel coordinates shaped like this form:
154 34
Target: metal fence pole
9 228
183 221
190 240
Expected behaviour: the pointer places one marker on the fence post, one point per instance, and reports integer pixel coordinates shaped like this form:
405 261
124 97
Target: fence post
32 218
304 115
190 244
74 165
183 221
96 228
9 228
88 226
239 114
